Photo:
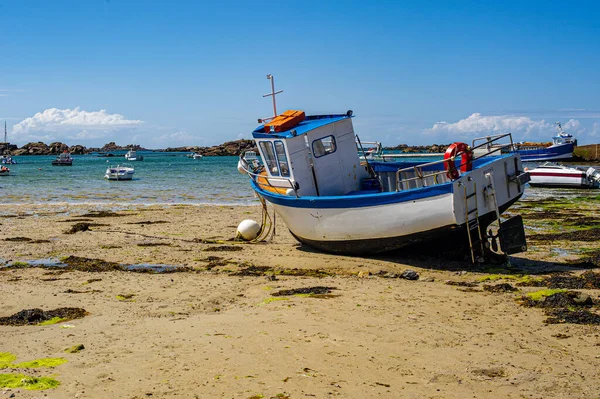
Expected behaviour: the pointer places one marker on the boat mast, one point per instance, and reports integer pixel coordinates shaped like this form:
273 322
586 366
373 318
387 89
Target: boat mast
5 142
271 94
559 127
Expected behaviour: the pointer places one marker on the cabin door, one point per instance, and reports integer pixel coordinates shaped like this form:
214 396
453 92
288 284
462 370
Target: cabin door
335 162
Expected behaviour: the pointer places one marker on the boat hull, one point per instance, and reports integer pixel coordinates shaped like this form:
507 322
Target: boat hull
569 178
440 238
119 177
551 153
379 222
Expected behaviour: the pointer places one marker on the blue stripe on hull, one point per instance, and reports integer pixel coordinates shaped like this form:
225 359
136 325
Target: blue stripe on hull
354 201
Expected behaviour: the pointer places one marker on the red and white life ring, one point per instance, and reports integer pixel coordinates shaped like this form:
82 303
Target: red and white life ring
453 150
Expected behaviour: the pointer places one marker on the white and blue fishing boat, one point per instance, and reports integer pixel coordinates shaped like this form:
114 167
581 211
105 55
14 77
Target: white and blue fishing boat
313 176
561 148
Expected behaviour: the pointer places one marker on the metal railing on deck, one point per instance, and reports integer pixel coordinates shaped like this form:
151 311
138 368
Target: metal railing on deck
419 176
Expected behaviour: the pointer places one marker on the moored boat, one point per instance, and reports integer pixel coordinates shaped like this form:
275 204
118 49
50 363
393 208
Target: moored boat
331 200
64 159
7 160
133 156
561 176
119 172
561 148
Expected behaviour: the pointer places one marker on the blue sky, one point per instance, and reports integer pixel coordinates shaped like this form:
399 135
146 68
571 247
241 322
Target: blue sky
174 73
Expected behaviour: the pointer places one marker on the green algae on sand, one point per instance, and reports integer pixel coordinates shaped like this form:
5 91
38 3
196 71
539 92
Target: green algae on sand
6 359
27 382
53 320
40 363
540 295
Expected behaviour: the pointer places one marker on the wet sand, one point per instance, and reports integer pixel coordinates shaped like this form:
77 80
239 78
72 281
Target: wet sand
217 331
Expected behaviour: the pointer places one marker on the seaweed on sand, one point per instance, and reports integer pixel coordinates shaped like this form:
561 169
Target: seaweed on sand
149 222
18 239
90 265
37 316
577 316
231 248
77 227
254 271
462 283
557 299
587 235
503 287
587 280
318 290
102 214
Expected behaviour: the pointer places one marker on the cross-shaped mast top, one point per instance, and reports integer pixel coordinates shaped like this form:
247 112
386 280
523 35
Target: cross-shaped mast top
272 94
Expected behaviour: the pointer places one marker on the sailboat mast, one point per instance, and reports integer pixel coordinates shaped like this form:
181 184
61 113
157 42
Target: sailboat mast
5 142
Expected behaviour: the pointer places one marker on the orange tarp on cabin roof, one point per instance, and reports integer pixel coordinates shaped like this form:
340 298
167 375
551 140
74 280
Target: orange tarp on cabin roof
285 121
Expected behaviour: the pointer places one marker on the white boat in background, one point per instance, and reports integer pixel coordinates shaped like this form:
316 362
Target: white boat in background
133 156
561 176
330 200
197 156
119 172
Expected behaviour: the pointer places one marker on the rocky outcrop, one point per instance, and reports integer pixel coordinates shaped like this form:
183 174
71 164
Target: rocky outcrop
7 147
38 148
229 148
78 150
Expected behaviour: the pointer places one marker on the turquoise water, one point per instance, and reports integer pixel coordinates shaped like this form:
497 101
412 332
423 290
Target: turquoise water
161 178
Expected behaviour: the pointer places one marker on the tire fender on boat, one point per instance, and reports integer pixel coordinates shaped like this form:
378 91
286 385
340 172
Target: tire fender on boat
453 150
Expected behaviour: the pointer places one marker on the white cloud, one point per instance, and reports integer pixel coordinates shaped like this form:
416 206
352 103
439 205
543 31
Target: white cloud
54 119
63 124
180 138
477 123
595 132
521 127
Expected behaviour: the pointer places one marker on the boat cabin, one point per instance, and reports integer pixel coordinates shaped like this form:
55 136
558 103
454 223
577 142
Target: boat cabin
311 156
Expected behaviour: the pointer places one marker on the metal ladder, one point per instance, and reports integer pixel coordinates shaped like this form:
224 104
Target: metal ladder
476 243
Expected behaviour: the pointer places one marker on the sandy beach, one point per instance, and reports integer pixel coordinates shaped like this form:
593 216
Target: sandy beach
225 328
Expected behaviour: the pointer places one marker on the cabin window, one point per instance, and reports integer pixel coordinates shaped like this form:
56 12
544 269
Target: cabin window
269 157
323 146
282 158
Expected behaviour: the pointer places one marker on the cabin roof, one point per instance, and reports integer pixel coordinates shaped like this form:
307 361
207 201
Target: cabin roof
311 122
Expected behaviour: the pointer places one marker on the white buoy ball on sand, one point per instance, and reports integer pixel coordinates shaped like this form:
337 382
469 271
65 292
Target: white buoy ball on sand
248 229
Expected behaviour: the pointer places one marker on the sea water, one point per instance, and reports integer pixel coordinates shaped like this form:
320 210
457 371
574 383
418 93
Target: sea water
161 178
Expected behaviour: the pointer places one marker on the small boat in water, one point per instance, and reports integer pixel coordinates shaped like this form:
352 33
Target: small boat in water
4 171
119 172
330 200
561 148
561 176
7 160
63 159
133 156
